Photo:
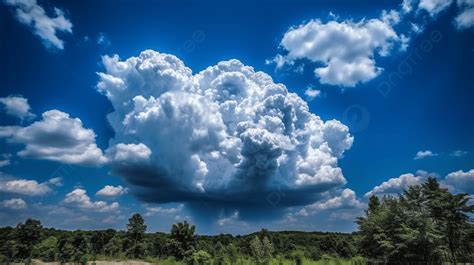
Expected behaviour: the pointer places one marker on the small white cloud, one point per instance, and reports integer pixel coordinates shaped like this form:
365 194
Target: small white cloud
424 154
346 200
465 18
346 49
24 187
162 210
416 28
58 181
312 93
80 199
14 204
407 6
17 106
231 220
5 160
279 61
111 191
459 153
102 40
56 137
391 17
333 16
33 15
434 7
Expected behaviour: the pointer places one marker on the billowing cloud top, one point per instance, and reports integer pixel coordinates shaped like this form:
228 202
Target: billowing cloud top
461 181
397 185
347 199
227 134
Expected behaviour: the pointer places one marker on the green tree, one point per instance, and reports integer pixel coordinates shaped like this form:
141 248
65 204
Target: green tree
267 249
261 250
374 204
457 225
232 253
450 213
424 225
135 233
27 235
65 249
80 246
185 235
136 228
201 257
174 248
99 239
220 256
256 250
9 250
158 246
113 248
422 239
371 230
46 249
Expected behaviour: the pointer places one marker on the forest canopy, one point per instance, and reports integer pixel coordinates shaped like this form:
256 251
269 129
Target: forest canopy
425 225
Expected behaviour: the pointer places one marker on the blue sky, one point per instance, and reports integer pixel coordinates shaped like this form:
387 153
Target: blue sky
384 101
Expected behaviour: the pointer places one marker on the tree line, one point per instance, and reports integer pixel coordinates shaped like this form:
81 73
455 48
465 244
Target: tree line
29 240
424 225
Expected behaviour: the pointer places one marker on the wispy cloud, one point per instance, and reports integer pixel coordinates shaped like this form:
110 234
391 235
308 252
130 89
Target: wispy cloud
312 93
30 13
459 153
13 204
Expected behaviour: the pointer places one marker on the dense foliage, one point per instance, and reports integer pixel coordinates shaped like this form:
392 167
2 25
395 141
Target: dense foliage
31 241
425 225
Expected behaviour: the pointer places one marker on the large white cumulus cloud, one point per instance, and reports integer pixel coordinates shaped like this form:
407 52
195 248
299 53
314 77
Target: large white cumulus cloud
227 133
